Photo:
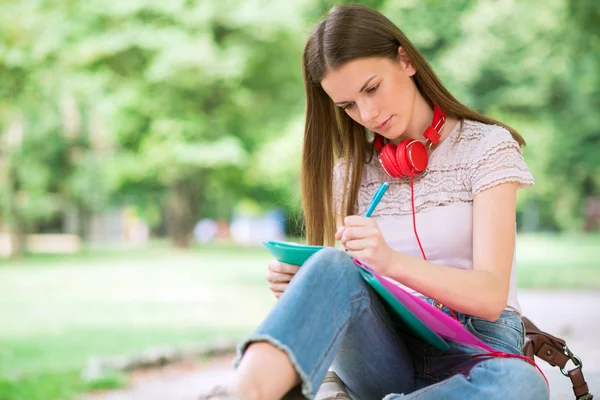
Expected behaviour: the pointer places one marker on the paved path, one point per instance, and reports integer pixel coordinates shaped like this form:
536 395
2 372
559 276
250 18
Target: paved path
570 315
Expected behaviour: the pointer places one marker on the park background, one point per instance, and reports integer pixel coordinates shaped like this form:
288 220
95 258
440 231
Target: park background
146 147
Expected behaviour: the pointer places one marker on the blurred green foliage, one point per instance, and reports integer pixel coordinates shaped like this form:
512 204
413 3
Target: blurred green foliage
187 108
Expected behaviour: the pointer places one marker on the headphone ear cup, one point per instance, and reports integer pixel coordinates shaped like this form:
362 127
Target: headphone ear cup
416 156
388 159
402 159
409 158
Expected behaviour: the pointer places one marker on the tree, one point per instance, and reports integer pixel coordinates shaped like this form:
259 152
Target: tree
193 89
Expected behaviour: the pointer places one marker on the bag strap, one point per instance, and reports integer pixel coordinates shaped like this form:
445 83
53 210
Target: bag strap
555 352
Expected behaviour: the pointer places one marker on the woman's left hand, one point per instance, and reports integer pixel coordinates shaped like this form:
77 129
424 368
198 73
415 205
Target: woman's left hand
362 239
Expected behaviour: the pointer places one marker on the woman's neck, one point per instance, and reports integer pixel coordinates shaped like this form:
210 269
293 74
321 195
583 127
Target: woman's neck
422 117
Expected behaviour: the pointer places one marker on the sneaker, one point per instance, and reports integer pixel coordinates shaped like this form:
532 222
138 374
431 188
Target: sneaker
332 388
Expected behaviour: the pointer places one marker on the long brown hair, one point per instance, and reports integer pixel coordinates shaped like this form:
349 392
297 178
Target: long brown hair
349 32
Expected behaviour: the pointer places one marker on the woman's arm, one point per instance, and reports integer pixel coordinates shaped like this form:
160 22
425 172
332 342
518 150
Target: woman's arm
482 291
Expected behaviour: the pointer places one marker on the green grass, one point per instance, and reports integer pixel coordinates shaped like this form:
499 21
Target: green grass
57 311
548 261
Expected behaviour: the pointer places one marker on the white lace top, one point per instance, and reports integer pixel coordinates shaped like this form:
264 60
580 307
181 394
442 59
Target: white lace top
467 162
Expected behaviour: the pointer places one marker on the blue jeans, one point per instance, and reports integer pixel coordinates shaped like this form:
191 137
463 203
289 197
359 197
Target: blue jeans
329 317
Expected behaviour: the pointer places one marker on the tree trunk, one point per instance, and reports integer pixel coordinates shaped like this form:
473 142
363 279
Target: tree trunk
183 206
17 238
16 229
15 225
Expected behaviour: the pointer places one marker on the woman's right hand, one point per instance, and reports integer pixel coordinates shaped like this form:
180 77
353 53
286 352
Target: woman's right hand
279 276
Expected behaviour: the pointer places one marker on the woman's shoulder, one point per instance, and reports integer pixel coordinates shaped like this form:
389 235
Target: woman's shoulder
476 131
482 133
494 157
478 140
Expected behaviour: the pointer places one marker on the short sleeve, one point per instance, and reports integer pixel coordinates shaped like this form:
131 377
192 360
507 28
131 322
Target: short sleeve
498 159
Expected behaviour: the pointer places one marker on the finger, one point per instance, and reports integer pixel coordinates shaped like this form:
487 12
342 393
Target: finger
276 277
362 233
355 233
359 233
278 287
357 244
357 220
339 232
283 268
364 255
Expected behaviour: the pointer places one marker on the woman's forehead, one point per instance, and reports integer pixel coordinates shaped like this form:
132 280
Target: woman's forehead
349 78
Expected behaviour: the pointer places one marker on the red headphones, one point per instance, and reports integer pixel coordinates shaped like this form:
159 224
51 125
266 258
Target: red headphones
409 157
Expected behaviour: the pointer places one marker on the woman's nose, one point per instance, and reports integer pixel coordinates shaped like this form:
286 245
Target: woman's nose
368 111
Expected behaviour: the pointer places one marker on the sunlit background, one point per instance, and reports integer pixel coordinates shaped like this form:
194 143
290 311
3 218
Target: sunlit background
147 147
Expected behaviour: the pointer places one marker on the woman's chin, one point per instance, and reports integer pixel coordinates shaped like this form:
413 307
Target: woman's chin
395 137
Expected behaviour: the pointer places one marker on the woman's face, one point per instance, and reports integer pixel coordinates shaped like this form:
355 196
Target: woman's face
376 92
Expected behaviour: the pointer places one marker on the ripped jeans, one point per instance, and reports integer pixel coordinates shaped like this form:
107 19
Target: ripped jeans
329 317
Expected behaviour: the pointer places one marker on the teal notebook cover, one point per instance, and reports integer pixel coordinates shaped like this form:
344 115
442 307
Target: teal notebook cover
291 253
297 254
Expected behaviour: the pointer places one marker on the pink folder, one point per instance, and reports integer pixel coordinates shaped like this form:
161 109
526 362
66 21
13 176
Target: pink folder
433 318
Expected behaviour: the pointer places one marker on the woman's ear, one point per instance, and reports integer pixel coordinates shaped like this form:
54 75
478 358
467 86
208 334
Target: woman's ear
406 62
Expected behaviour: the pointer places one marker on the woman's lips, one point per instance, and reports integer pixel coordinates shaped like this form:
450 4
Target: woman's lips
384 125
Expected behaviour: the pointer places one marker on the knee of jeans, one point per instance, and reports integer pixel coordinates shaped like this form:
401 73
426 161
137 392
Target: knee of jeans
518 379
332 261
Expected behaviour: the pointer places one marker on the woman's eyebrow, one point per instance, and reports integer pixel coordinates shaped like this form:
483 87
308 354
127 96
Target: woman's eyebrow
360 91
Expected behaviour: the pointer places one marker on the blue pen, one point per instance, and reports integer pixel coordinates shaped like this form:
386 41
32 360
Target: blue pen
376 198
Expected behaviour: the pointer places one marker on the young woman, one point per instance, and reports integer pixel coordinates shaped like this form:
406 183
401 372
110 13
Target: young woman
444 230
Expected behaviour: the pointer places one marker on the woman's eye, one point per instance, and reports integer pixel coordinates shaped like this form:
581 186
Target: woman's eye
373 89
348 106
